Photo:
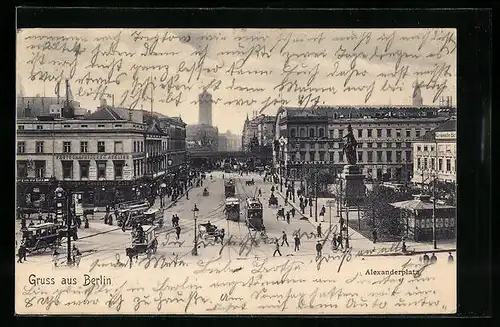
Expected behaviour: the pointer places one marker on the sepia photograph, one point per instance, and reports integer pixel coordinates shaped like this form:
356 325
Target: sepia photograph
236 171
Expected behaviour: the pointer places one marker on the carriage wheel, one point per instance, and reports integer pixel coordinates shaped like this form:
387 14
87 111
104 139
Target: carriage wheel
42 246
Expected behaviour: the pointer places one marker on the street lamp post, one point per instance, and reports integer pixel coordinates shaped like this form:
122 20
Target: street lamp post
195 248
62 209
434 241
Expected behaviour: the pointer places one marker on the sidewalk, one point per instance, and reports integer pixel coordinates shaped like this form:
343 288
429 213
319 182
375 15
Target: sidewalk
357 239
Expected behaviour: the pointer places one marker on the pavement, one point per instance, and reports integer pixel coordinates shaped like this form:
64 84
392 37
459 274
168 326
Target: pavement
357 240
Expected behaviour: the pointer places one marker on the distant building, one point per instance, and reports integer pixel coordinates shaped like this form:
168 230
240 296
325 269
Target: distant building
205 108
249 136
202 137
435 154
229 142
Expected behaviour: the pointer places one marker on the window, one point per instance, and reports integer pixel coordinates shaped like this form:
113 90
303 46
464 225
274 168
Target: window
433 163
398 156
398 133
425 148
39 126
341 132
135 146
142 146
22 169
389 156
417 133
419 163
135 168
20 127
321 132
321 145
408 144
84 146
302 132
448 164
379 156
84 126
311 132
21 147
440 164
100 125
118 147
341 156
101 169
66 126
398 144
379 144
118 125
118 165
67 168
321 156
302 145
370 156
408 156
369 145
408 133
330 132
332 156
39 146
432 148
419 148
360 156
40 169
312 146
360 133
369 132
100 146
84 169
425 163
379 132
388 132
67 146
292 132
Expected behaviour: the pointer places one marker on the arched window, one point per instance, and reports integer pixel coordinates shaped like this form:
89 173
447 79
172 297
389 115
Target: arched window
302 132
292 132
321 133
311 132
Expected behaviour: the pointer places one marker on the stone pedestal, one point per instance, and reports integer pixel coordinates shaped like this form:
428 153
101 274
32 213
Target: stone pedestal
354 186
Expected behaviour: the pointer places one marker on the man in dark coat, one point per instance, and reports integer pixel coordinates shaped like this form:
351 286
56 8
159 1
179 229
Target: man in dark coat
318 229
319 247
284 239
297 242
277 250
178 231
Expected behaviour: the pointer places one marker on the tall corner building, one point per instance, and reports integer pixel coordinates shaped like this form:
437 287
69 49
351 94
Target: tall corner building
205 103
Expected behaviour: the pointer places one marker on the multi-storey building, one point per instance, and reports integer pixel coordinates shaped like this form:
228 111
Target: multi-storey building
103 156
202 137
229 142
249 134
314 138
265 130
434 155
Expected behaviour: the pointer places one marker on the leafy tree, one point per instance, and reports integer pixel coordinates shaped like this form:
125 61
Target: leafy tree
379 214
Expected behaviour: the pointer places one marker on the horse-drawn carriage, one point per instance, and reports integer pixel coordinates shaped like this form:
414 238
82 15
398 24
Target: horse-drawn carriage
153 216
251 182
41 237
208 231
132 214
273 200
143 242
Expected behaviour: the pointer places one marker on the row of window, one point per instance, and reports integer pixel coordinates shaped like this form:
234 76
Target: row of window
67 147
359 132
425 163
40 127
335 145
301 156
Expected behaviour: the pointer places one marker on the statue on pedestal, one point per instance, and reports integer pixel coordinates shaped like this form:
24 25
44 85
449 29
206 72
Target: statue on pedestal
350 146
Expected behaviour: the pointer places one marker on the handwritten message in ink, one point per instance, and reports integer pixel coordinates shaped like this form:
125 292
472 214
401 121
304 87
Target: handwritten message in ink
244 70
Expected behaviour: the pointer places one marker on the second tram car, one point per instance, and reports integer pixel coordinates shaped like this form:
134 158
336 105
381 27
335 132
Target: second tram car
232 209
254 214
229 188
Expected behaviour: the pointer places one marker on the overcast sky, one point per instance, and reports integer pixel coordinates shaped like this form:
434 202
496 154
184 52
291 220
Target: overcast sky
273 49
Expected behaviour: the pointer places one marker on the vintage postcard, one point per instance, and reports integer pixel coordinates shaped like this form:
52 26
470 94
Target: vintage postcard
236 171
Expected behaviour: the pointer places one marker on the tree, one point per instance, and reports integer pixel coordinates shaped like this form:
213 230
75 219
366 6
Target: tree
380 214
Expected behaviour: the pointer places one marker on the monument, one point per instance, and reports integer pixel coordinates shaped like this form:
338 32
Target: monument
354 189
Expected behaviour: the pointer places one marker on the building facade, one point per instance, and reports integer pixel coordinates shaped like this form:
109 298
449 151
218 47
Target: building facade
435 155
314 138
229 142
265 130
104 156
202 136
249 135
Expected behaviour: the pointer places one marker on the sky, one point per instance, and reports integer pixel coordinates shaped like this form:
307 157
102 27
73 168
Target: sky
313 66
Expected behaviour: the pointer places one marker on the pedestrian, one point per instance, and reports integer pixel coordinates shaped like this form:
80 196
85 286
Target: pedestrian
322 212
20 254
293 212
339 241
341 221
86 219
318 229
284 239
334 240
31 223
40 217
23 223
178 231
403 247
319 247
450 257
288 217
24 251
222 234
426 259
297 242
277 250
433 258
272 189
374 235
187 193
260 193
